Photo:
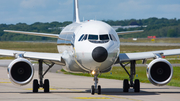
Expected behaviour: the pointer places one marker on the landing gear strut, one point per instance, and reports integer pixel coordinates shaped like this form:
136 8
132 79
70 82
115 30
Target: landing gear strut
136 84
44 85
95 87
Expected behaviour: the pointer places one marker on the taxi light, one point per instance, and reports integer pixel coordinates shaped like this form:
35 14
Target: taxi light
93 72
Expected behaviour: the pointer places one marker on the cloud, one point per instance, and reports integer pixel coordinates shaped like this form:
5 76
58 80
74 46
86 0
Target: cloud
33 3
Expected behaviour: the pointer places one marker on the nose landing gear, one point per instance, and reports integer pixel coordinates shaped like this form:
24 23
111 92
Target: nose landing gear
95 88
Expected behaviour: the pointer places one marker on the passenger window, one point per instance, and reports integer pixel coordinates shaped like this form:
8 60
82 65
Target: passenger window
93 37
81 37
104 37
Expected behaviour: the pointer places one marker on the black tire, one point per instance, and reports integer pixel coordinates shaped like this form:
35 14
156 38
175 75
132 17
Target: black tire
136 86
99 89
125 85
92 89
46 86
35 86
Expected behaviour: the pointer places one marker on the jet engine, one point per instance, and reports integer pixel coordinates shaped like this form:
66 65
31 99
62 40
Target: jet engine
159 72
20 71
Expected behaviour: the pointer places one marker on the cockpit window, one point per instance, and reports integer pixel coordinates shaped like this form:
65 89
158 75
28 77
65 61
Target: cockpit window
81 37
85 37
104 37
110 36
113 37
93 37
97 38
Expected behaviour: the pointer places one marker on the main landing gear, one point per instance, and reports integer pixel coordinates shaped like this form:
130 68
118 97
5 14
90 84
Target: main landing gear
136 83
44 85
95 88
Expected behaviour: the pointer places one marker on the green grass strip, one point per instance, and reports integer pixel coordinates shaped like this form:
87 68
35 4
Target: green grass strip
118 73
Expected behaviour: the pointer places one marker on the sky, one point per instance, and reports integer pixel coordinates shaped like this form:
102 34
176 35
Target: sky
31 11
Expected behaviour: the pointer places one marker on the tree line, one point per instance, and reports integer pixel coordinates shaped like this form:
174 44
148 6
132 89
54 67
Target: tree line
160 27
35 27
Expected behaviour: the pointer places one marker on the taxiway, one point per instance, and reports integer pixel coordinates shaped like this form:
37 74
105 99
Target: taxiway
65 87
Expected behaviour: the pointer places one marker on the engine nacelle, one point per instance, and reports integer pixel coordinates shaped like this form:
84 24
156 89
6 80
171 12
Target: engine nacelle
20 71
159 72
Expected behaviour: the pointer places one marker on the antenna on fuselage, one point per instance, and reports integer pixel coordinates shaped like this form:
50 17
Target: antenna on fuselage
76 12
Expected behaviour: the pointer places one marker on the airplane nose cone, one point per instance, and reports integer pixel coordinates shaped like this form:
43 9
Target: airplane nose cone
99 54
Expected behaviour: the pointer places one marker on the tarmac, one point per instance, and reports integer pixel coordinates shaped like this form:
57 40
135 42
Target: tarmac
65 87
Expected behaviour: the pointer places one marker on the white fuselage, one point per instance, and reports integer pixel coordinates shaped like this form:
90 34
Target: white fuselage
91 45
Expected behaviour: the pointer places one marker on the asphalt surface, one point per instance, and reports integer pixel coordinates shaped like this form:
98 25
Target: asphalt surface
65 87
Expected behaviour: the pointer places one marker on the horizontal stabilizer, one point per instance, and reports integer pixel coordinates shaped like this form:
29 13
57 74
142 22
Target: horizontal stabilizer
129 32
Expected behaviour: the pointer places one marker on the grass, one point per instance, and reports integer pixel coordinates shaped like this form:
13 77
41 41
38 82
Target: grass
157 40
52 47
119 73
30 46
129 49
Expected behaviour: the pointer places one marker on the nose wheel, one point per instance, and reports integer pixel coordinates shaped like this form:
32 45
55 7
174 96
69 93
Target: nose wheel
95 88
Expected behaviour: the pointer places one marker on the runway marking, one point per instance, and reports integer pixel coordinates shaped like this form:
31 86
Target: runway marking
100 97
91 98
69 89
40 89
5 82
122 98
73 90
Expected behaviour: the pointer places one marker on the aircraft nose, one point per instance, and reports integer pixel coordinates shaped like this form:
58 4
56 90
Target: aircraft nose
99 54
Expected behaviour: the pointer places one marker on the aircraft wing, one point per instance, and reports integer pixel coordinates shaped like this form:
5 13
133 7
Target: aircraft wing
129 32
125 57
36 34
47 57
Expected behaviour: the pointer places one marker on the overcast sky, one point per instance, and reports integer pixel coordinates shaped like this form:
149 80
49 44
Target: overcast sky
30 11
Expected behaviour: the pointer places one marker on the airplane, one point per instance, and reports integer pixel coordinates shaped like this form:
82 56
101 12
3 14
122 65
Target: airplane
87 47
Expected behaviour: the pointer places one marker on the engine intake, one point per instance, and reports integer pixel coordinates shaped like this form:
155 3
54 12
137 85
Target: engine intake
159 72
20 71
